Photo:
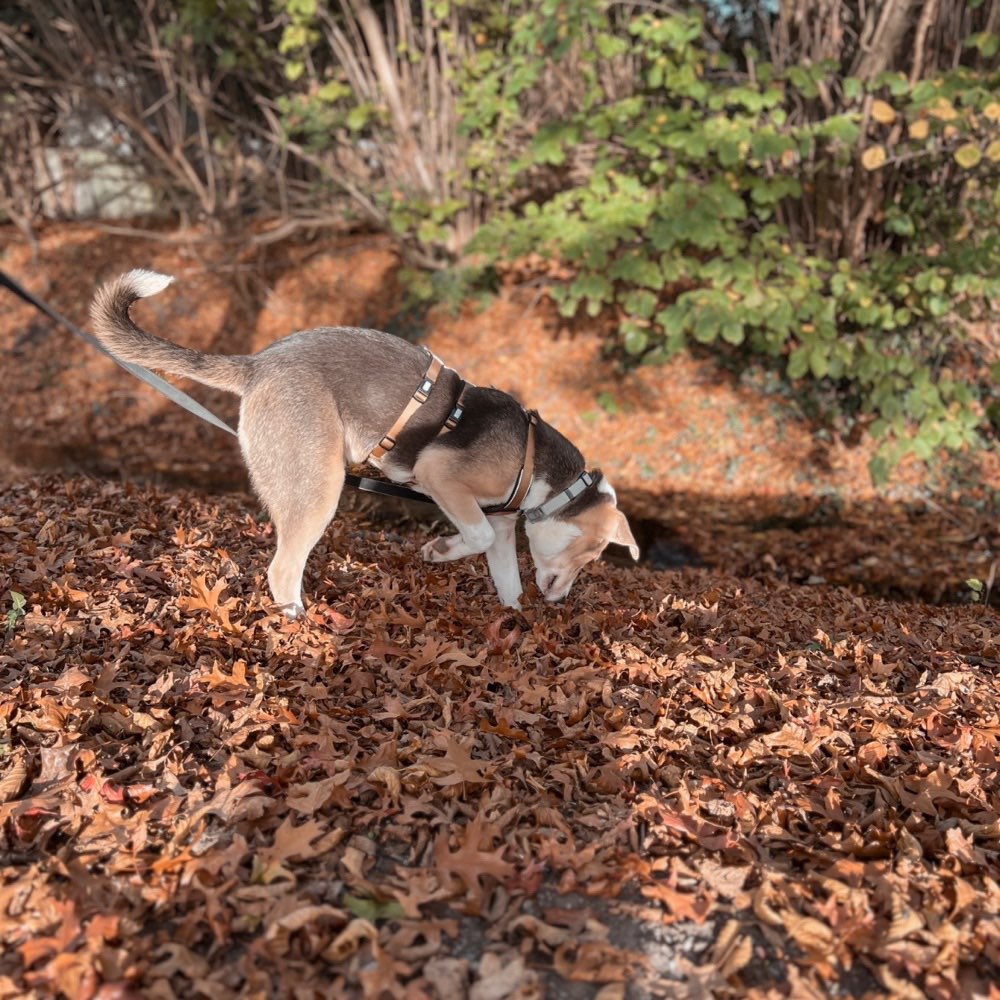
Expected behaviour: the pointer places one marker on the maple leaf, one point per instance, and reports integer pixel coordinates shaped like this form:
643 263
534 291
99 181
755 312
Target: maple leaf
292 843
413 889
14 778
497 644
231 803
436 650
470 862
67 930
323 615
680 905
384 975
350 939
217 678
205 598
598 962
119 794
498 978
311 796
457 764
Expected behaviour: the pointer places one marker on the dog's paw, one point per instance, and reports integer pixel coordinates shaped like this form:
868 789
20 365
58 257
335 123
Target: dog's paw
437 550
292 611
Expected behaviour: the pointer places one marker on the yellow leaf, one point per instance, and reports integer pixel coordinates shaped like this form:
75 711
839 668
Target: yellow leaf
968 156
992 111
883 113
873 157
993 150
942 109
920 128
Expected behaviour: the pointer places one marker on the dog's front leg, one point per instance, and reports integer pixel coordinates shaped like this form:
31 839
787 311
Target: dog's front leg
501 557
497 538
471 540
475 533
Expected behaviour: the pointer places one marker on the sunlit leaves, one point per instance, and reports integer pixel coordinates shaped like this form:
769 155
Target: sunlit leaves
968 155
407 805
873 157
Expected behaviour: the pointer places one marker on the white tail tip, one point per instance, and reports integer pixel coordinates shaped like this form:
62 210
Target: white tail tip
144 283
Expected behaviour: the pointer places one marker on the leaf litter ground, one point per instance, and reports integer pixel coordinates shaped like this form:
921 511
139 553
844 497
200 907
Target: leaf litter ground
712 781
200 798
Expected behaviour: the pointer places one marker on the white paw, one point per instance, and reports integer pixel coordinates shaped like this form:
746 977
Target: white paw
437 550
292 611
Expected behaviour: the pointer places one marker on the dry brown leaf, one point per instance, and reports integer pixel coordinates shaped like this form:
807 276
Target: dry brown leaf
14 778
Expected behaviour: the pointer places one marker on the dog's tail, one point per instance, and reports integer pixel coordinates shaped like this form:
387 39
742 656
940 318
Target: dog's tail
113 327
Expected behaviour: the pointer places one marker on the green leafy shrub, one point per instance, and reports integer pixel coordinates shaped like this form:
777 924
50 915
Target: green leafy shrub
685 224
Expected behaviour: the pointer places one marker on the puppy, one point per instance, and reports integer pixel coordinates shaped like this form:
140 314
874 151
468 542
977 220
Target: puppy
321 399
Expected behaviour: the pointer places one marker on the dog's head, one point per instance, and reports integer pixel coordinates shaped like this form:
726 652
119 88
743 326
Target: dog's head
563 544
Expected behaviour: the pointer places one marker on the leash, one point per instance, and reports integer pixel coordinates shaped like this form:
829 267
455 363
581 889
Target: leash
161 385
185 401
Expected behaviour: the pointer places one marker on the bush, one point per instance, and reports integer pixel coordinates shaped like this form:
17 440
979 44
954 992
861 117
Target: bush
832 207
689 223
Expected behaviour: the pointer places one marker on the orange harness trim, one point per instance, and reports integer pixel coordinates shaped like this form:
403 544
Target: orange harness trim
527 473
417 400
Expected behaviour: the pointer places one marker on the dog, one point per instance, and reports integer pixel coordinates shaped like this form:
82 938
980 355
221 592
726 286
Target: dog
321 399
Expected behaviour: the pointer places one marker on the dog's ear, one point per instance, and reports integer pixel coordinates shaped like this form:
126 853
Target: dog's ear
622 535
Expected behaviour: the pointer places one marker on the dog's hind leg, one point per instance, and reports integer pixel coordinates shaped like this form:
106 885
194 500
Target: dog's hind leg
298 528
296 461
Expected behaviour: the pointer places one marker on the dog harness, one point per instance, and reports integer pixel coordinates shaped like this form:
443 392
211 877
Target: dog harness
419 397
175 395
525 476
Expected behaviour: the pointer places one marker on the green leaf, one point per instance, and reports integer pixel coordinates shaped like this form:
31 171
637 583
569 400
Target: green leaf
819 360
878 469
798 362
853 88
607 403
333 91
636 341
733 332
357 117
373 909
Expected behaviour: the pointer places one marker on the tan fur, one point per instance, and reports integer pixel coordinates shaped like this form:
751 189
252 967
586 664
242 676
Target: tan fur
321 398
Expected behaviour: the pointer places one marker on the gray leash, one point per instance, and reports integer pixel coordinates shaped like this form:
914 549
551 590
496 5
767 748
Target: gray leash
172 393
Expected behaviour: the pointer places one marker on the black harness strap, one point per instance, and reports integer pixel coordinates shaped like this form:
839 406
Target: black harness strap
385 489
